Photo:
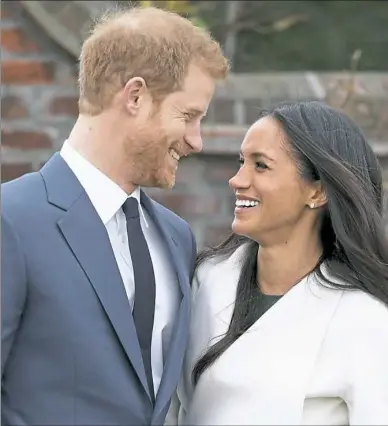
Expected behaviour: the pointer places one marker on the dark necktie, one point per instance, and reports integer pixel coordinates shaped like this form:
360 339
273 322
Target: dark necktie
144 306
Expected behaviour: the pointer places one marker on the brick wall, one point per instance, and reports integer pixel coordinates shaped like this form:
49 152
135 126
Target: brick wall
39 107
38 103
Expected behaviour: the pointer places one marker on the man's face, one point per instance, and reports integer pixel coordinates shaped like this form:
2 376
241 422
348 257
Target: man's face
164 132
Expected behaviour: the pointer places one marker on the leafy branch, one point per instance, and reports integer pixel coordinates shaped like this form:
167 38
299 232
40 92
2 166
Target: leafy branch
183 7
342 91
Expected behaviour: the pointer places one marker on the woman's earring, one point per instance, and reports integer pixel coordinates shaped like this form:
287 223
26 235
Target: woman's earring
312 205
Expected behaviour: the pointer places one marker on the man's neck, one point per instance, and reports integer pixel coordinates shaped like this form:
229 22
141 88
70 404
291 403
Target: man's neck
89 138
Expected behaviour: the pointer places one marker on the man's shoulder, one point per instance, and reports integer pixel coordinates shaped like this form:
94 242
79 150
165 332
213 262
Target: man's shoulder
173 219
22 193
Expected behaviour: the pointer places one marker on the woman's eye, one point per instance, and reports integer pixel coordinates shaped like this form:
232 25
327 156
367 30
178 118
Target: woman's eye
261 165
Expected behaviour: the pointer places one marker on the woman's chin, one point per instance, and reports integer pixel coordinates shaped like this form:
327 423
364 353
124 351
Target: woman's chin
245 229
240 227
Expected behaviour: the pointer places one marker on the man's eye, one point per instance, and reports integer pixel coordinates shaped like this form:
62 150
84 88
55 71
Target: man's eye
241 161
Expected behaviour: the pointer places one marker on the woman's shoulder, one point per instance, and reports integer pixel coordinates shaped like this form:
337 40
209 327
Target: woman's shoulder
359 320
365 308
360 329
360 303
362 314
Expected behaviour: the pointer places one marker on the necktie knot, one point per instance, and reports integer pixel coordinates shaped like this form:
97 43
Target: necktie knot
131 208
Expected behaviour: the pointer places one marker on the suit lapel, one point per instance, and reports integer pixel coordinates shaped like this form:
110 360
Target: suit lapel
292 332
173 364
88 240
172 245
281 347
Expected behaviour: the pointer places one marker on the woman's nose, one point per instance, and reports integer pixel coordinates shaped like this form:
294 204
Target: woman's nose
240 180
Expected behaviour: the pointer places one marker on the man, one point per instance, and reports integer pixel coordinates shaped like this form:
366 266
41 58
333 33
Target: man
96 275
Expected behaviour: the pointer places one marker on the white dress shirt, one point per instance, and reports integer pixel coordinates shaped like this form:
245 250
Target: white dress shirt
107 198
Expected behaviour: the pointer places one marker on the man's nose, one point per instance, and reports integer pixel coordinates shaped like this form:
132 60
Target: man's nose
193 137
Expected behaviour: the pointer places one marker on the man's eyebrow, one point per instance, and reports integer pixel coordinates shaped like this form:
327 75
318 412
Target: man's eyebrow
257 154
196 111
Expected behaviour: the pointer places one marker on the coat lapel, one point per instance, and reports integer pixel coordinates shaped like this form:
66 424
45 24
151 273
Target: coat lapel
285 342
88 240
275 358
173 364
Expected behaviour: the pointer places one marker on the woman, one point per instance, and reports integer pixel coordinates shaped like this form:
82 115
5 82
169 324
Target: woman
290 314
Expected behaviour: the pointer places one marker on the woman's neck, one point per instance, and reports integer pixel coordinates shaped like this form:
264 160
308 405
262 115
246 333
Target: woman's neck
282 266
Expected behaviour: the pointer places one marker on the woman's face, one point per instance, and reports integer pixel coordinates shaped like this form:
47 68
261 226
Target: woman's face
273 202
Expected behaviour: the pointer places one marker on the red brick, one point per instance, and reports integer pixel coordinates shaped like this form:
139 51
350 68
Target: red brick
27 72
221 173
12 10
26 140
13 171
15 41
3 13
224 131
220 168
64 106
190 205
13 108
189 171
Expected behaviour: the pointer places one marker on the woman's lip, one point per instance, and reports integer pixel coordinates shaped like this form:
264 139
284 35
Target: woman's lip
239 210
246 198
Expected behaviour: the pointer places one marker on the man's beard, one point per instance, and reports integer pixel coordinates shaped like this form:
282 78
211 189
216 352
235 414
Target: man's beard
150 161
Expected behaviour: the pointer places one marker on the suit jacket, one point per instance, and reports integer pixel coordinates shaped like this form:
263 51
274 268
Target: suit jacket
70 353
317 357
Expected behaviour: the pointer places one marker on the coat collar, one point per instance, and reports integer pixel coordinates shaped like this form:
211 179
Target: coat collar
86 236
281 347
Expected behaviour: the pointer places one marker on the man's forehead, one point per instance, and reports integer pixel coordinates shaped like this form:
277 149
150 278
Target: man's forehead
192 104
198 80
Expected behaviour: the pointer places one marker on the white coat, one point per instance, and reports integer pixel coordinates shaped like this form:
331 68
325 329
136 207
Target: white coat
319 356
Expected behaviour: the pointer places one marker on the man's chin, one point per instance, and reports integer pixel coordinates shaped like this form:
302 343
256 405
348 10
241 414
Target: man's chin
167 183
161 182
167 179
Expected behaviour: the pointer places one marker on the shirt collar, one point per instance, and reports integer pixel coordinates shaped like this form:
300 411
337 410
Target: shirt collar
105 195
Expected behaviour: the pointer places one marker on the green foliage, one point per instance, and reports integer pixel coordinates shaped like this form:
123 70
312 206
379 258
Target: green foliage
299 35
183 7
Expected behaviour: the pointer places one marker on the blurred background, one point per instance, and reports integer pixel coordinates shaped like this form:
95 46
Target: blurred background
333 51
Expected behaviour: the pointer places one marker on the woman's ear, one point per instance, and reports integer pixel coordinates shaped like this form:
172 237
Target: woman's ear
317 196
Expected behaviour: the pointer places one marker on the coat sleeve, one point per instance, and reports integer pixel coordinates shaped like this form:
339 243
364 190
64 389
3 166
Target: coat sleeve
176 411
172 417
13 288
367 396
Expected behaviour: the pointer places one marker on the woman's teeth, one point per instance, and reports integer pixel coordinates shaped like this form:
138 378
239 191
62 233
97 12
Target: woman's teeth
246 203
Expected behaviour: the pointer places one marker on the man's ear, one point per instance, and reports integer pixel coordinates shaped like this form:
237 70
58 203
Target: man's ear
317 196
134 93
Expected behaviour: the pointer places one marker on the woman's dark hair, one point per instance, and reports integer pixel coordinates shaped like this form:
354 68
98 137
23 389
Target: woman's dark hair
329 147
